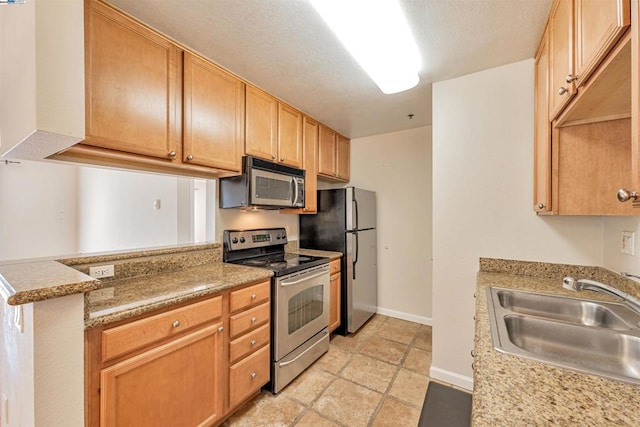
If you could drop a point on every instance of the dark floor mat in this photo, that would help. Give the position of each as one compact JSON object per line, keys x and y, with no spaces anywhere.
{"x":445,"y":407}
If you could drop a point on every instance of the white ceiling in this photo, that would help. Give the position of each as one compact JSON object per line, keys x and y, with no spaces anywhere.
{"x":285,"y":48}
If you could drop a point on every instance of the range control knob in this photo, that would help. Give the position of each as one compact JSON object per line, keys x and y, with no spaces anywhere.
{"x":242,"y":240}
{"x":234,"y":240}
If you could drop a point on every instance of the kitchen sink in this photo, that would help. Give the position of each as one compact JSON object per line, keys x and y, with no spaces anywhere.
{"x":594,"y":337}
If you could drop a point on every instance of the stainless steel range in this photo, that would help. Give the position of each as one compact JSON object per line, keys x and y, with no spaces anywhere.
{"x":299,"y":299}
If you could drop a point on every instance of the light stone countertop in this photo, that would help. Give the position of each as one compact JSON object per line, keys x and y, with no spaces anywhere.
{"x":513,"y":391}
{"x":139,"y":295}
{"x":316,"y":252}
{"x":26,"y":282}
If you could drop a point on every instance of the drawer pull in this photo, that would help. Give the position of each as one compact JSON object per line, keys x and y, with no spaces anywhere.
{"x":176,"y":323}
{"x":221,"y":328}
{"x":253,"y":320}
{"x":254,"y":296}
{"x":253,"y":375}
{"x":253,"y":342}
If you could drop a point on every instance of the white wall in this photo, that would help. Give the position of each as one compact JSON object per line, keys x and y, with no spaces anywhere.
{"x":38,"y":210}
{"x":482,"y":202}
{"x":397,"y":166}
{"x":116,"y":210}
{"x":614,"y":259}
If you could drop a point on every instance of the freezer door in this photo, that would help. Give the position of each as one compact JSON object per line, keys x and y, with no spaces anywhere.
{"x":362,"y":278}
{"x":361,"y":209}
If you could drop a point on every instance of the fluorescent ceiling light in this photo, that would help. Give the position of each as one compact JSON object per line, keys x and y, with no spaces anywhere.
{"x":377,"y":35}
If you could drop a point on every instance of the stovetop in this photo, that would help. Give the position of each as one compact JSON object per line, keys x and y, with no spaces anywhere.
{"x":264,"y":248}
{"x":283,"y":263}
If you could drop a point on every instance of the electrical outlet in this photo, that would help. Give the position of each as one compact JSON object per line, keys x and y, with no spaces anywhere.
{"x":628,"y":242}
{"x":101,"y":271}
{"x":101,"y":294}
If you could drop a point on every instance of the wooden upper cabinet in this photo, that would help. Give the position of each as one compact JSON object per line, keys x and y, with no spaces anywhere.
{"x":133,"y":99}
{"x":343,"y":157}
{"x":561,"y":27}
{"x":310,"y":165}
{"x":542,"y":130}
{"x":213,"y":115}
{"x":261,"y":124}
{"x":326,"y":152}
{"x":289,"y":136}
{"x":599,"y":24}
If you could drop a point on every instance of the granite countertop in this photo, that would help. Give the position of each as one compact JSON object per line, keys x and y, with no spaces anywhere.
{"x":32,"y":281}
{"x":316,"y":252}
{"x":510,"y":390}
{"x":139,"y":295}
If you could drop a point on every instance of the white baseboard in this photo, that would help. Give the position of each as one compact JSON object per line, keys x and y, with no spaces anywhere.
{"x":451,"y":378}
{"x":405,"y":316}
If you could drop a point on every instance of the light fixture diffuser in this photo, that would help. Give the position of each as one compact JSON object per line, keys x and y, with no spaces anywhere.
{"x":377,"y":35}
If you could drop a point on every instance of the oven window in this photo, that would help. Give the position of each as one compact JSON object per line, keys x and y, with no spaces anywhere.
{"x":304,"y":307}
{"x":269,"y":188}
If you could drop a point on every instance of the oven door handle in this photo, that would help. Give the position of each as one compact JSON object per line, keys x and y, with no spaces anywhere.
{"x":287,"y":283}
{"x":289,"y":362}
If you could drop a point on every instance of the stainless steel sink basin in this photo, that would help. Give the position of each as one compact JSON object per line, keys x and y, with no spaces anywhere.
{"x":574,"y":310}
{"x":589,"y":336}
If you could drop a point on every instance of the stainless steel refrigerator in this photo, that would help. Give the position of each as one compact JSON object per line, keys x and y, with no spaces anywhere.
{"x":346,"y":222}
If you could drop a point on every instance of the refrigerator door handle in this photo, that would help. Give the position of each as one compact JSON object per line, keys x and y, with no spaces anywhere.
{"x":355,"y":257}
{"x":355,"y":204}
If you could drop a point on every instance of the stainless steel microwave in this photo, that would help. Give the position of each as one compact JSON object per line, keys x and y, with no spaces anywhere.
{"x":263,"y":184}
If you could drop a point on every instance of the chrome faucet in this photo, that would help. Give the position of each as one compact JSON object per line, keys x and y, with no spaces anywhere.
{"x":591,"y":285}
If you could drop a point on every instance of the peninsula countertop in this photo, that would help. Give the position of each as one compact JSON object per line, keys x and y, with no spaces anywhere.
{"x":512,"y":391}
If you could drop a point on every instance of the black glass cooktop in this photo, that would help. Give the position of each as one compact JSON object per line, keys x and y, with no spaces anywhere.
{"x":283,"y":263}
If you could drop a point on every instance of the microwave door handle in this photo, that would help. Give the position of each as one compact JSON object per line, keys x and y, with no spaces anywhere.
{"x":295,"y":190}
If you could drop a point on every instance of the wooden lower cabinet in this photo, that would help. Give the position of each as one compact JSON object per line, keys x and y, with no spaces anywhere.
{"x":334,"y":295}
{"x":181,"y":380}
{"x":180,"y":366}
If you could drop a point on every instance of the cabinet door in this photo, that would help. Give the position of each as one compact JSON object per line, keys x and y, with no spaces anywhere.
{"x":599,"y":24}
{"x":289,"y":136}
{"x":132,"y":86}
{"x":326,"y":152}
{"x":561,"y":54}
{"x":176,"y":383}
{"x":261,"y":122}
{"x":334,"y":301}
{"x":213,"y":115}
{"x":542,"y":131}
{"x":343,"y":157}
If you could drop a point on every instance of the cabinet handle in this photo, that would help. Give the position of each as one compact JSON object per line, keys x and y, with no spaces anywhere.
{"x":253,"y":375}
{"x":221,"y":328}
{"x":190,"y":157}
{"x":625,"y":195}
{"x":562,"y":91}
{"x":282,"y":159}
{"x":172,"y":153}
{"x":473,"y":353}
{"x":473,"y":366}
{"x":176,"y":323}
{"x":253,"y":320}
{"x":273,"y":156}
{"x":254,"y":296}
{"x":540,"y":206}
{"x":570,"y":78}
{"x":253,"y":342}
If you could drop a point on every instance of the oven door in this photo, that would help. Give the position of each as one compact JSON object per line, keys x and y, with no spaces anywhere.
{"x":276,"y":189}
{"x":301,"y":306}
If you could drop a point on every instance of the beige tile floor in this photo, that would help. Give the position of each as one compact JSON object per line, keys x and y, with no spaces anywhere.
{"x":376,"y":377}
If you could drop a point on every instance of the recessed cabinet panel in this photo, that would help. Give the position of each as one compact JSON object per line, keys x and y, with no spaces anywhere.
{"x":599,"y":24}
{"x":261,"y":122}
{"x":289,"y":136}
{"x":213,"y":115}
{"x":561,"y":51}
{"x":542,"y":131}
{"x":343,"y":158}
{"x":327,"y":152}
{"x":132,"y":85}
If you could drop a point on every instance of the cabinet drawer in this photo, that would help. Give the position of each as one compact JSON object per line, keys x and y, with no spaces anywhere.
{"x":334,"y":266}
{"x":250,"y":319}
{"x":247,"y":376}
{"x":135,"y":335}
{"x":249,"y":296}
{"x":248,"y":343}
